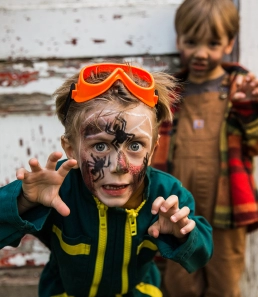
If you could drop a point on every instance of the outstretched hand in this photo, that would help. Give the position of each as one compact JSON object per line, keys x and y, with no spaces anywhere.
{"x":172,"y":220}
{"x":246,"y":88}
{"x":42,"y":184}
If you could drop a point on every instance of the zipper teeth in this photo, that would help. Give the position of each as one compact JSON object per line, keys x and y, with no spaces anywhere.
{"x":127,"y":256}
{"x":102,"y":242}
{"x":130,"y":230}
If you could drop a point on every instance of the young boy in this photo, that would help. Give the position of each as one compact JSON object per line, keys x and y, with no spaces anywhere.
{"x":104,"y":212}
{"x":211,"y":145}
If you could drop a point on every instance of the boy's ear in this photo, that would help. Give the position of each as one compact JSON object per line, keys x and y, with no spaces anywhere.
{"x":230,"y":46}
{"x":69,"y":151}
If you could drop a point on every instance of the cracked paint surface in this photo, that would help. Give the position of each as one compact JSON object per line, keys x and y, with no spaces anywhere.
{"x":30,"y":252}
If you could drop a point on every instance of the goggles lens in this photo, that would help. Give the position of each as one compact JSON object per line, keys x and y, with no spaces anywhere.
{"x":85,"y":91}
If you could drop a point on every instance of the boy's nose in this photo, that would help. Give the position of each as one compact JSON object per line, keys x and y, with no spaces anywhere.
{"x":119,"y":163}
{"x":201,"y":52}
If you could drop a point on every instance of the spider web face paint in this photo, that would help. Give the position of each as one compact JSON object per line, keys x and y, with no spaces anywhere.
{"x":113,"y":153}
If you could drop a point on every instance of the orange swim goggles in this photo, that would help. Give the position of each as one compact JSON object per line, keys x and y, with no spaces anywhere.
{"x":84,"y":91}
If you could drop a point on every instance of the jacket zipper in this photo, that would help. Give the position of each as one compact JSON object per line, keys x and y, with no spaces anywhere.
{"x":102,"y":243}
{"x":130,"y":230}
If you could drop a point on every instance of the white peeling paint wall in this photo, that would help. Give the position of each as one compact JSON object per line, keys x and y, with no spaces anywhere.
{"x":73,"y":29}
{"x":248,"y":34}
{"x":26,"y":136}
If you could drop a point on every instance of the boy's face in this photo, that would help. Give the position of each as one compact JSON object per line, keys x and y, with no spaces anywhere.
{"x":113,"y":152}
{"x":203,"y":56}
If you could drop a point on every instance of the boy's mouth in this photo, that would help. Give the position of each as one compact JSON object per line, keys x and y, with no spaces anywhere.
{"x":114,"y":187}
{"x":198,"y":66}
{"x":115,"y":190}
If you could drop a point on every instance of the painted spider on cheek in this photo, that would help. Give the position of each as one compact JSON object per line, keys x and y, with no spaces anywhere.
{"x":144,"y":167}
{"x":117,"y":128}
{"x":98,"y":164}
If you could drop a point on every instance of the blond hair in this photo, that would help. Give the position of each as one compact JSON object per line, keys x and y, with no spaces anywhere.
{"x":165,"y":85}
{"x":195,"y":16}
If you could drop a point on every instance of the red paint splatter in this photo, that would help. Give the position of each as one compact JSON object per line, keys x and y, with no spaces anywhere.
{"x":99,"y":40}
{"x":129,"y":42}
{"x":8,"y":79}
{"x":117,"y":16}
{"x":73,"y":41}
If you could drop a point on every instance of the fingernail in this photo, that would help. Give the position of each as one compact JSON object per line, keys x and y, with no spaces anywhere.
{"x":173,"y":218}
{"x":162,"y":208}
{"x":183,"y":231}
{"x":153,"y":211}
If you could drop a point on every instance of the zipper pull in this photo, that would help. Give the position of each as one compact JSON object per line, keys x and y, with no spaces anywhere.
{"x":132,"y":214}
{"x":102,"y":213}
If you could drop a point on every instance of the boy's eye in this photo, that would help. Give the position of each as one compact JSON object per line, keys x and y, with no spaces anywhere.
{"x":135,"y":146}
{"x":100,"y":147}
{"x":190,"y":42}
{"x":214,"y":43}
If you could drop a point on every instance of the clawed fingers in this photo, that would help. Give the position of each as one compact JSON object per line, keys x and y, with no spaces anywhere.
{"x":169,"y":206}
{"x":154,"y":230}
{"x":34,"y":165}
{"x":66,"y":167}
{"x":157,"y":204}
{"x":188,"y":227}
{"x":181,"y":218}
{"x":60,"y":206}
{"x":247,"y":88}
{"x":240,"y":80}
{"x":52,"y":160}
{"x":20,"y":173}
{"x":182,"y":213}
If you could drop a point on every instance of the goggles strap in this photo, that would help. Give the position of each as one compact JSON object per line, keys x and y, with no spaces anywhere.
{"x":157,"y":94}
{"x":157,"y":105}
{"x":68,"y":101}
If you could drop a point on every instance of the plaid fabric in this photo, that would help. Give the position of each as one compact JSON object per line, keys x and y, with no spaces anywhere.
{"x":237,"y":201}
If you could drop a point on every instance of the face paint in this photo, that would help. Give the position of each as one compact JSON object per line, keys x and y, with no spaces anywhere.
{"x":114,"y":156}
{"x":144,"y":167}
{"x":117,"y":128}
{"x":122,"y":163}
{"x":98,"y":164}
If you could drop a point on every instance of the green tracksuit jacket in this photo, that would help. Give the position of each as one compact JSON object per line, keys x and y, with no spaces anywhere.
{"x":100,"y":251}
